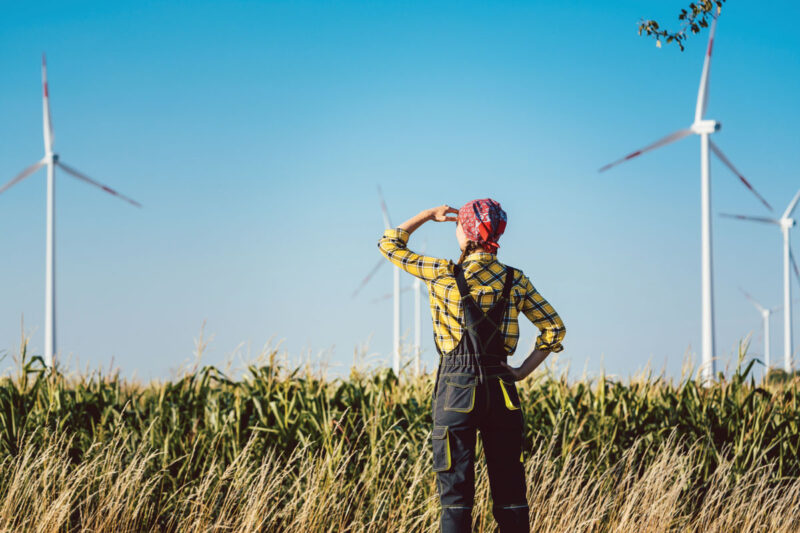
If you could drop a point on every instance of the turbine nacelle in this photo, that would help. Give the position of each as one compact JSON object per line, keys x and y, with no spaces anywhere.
{"x":707,"y":127}
{"x":787,"y":223}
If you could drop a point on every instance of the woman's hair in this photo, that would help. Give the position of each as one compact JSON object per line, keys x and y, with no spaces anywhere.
{"x":471,"y":246}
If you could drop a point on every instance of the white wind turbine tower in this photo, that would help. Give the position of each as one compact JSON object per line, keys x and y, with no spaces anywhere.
{"x":417,"y":322}
{"x":418,"y":319}
{"x":785,"y":223}
{"x":703,"y":128}
{"x":417,"y":288}
{"x":51,"y":160}
{"x":417,"y":325}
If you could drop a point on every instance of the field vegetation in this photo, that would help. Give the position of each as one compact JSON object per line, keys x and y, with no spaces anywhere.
{"x":282,"y":449}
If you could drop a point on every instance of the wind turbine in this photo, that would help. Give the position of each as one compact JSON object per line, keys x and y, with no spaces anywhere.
{"x":703,"y":128}
{"x":396,"y":286}
{"x":51,"y":160}
{"x":395,"y":291}
{"x":785,"y":223}
{"x":765,"y":316}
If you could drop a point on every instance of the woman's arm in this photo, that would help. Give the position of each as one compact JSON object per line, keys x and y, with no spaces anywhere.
{"x":550,"y":325}
{"x":528,"y":365}
{"x":439,"y":214}
{"x":393,"y":245}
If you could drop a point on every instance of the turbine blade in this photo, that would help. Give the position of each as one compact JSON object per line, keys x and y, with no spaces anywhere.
{"x":87,"y":179}
{"x":47,"y":125}
{"x":752,"y":300}
{"x":671,"y":138}
{"x":386,"y":220}
{"x":368,"y":277}
{"x":792,"y":205}
{"x":726,"y":161}
{"x":22,"y":175}
{"x":389,"y":295}
{"x":752,"y":219}
{"x":780,"y":307}
{"x":702,"y":92}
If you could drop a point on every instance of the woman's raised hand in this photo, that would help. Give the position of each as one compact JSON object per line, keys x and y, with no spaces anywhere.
{"x":439,"y":214}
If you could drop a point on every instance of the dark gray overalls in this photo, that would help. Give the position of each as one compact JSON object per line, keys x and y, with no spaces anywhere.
{"x":473,"y":391}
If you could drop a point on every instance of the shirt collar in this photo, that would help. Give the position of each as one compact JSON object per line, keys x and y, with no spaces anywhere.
{"x":481,"y":257}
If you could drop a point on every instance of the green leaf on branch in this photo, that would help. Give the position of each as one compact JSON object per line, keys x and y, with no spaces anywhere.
{"x":692,"y":20}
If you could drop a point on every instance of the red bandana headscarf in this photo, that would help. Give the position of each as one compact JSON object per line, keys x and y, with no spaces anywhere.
{"x":483,"y":221}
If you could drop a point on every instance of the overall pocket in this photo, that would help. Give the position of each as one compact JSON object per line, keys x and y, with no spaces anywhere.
{"x":510,"y":395}
{"x":441,"y":449}
{"x":459,"y":397}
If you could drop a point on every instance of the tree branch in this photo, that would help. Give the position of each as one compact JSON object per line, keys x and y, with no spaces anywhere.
{"x":692,"y":20}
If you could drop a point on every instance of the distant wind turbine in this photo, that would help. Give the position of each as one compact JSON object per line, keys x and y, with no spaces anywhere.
{"x":785,"y":223}
{"x":395,"y":291}
{"x":51,"y":160}
{"x":396,"y":285}
{"x":703,"y":128}
{"x":765,"y":316}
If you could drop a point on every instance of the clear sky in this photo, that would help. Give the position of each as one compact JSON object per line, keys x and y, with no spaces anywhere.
{"x":255,"y":134}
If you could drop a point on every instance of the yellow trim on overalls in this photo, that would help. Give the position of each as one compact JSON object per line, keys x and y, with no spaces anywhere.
{"x":446,"y":438}
{"x":510,"y":405}
{"x":449,"y":459}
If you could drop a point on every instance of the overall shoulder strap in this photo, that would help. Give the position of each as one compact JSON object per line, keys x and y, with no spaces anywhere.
{"x":509,"y":282}
{"x":461,"y":281}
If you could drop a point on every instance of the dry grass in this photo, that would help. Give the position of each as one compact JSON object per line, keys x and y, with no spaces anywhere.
{"x":43,"y":490}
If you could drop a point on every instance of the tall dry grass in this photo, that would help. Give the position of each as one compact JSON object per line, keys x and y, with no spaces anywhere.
{"x":42,"y":489}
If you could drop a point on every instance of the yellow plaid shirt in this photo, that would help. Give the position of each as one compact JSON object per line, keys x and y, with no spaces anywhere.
{"x":485,"y":277}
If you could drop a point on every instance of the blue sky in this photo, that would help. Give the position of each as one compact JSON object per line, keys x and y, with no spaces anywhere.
{"x":255,"y":134}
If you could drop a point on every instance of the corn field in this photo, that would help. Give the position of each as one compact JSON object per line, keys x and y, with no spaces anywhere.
{"x":281,"y":449}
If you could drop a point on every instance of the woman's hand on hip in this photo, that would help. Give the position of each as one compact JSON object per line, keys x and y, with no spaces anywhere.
{"x":517,"y":373}
{"x":528,"y":365}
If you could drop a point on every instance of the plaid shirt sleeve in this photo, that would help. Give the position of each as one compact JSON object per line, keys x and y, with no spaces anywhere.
{"x":543,"y":316}
{"x":393,"y":246}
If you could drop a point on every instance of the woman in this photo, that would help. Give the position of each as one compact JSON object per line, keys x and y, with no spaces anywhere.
{"x":475,"y":304}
